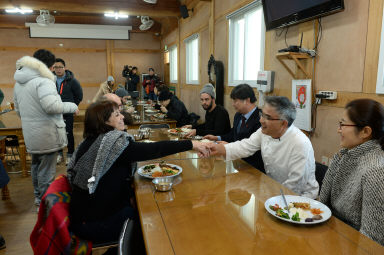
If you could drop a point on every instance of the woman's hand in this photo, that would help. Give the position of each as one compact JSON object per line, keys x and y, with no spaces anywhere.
{"x":187,"y":126}
{"x":202,"y":148}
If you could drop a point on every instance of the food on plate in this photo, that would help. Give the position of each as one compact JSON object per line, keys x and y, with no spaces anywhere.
{"x":282,"y":214}
{"x":296,"y":217}
{"x":160,"y":170}
{"x":317,"y":217}
{"x":305,"y":206}
{"x":274,"y":207}
{"x":297,"y":211}
{"x":179,"y":130}
{"x":316,"y":211}
{"x":301,"y":214}
{"x":159,"y":115}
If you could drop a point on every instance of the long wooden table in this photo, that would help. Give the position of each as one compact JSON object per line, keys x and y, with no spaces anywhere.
{"x":217,"y":207}
{"x":10,"y":124}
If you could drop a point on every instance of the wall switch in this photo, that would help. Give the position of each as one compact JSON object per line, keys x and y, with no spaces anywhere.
{"x":324,"y":160}
{"x":331,"y":95}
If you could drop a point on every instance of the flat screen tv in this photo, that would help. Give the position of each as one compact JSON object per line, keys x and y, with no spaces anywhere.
{"x":282,"y":13}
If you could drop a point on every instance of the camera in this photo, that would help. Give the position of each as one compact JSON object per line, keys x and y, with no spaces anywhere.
{"x":127,"y":71}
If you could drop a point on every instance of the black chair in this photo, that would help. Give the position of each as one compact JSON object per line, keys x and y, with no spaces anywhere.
{"x":154,"y":126}
{"x":125,"y":237}
{"x":320,"y":173}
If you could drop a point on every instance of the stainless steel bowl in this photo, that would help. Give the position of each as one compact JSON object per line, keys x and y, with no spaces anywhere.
{"x":163,"y":183}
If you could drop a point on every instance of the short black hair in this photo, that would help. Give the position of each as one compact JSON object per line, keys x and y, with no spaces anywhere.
{"x":60,"y":60}
{"x":134,"y":68}
{"x":45,"y":56}
{"x":151,"y":69}
{"x":243,"y":91}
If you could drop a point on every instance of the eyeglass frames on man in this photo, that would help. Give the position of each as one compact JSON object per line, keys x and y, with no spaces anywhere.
{"x":266,"y":116}
{"x":58,"y":67}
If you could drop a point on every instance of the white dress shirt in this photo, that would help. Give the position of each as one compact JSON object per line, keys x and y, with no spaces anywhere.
{"x":289,"y":159}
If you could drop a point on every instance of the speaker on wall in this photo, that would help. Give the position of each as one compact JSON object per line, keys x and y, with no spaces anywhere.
{"x":184,"y":11}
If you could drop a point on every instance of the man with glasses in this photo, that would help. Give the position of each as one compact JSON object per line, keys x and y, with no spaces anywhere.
{"x":246,"y":121}
{"x":287,"y":152}
{"x":69,"y":90}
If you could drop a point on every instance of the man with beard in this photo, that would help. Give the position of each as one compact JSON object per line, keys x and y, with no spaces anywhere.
{"x":216,"y":116}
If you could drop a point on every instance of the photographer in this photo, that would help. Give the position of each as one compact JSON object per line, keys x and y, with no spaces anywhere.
{"x":129,"y":73}
{"x":149,"y":84}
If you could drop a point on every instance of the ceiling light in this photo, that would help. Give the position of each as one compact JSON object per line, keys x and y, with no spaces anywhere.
{"x":17,"y":10}
{"x":116,"y":15}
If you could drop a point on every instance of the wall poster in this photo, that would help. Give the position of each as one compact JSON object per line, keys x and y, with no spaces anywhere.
{"x":302,"y":99}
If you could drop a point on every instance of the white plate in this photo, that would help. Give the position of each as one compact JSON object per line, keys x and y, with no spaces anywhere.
{"x":290,"y":199}
{"x":141,"y":173}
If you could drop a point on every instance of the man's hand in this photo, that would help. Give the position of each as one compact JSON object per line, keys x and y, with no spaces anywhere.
{"x":211,"y":137}
{"x":216,"y":149}
{"x":77,"y":112}
{"x":192,"y":133}
{"x":187,"y":126}
{"x":202,"y":148}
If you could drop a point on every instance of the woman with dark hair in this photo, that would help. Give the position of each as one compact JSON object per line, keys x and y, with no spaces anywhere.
{"x":101,"y":172}
{"x":353,"y":186}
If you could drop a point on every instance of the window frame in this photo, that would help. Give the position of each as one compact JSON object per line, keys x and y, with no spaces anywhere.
{"x":171,"y":64}
{"x":240,"y":14}
{"x":187,"y":43}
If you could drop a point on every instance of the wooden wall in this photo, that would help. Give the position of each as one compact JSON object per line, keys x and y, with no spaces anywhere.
{"x":347,"y":60}
{"x":91,"y":61}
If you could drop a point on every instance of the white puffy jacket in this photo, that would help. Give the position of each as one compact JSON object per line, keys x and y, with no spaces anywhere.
{"x":40,"y":107}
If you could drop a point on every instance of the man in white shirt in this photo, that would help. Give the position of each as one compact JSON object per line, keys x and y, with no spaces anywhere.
{"x":286,"y":151}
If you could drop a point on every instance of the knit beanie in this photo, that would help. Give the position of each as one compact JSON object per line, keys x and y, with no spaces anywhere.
{"x":209,"y":89}
{"x":121,"y":92}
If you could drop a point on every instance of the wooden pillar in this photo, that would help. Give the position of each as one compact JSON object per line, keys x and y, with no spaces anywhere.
{"x":212,"y":29}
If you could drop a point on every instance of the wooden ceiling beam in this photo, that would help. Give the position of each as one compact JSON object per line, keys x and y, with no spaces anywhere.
{"x":93,"y":7}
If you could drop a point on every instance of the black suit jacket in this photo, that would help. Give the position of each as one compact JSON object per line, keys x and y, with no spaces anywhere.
{"x":251,"y":126}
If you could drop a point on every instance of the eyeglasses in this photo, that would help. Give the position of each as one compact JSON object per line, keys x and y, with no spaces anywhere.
{"x":341,"y":124}
{"x":58,"y":67}
{"x":266,"y":116}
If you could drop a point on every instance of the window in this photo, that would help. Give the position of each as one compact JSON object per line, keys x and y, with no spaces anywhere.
{"x":246,"y":44}
{"x":380,"y":71}
{"x":173,"y":64}
{"x":192,"y":57}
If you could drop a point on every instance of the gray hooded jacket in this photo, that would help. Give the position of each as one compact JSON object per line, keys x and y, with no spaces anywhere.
{"x":40,"y":107}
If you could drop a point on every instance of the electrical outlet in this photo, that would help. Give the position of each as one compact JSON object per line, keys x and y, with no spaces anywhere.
{"x":331,"y":95}
{"x":324,"y":160}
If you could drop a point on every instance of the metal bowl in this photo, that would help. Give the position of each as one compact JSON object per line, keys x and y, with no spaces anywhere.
{"x":163,"y":183}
